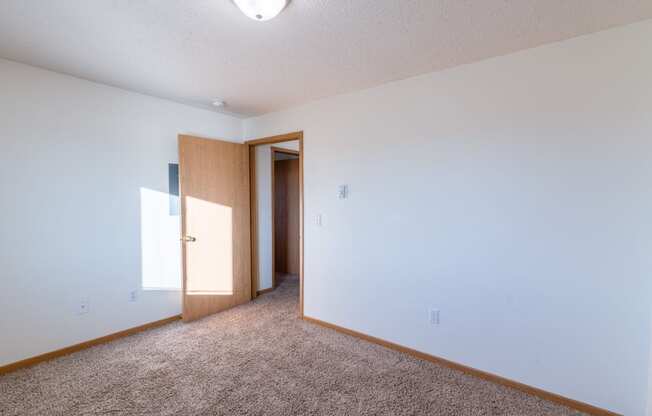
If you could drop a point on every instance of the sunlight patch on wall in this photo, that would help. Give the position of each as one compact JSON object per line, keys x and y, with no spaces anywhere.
{"x":160,"y":246}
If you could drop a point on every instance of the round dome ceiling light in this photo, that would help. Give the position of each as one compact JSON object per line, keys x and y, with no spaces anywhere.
{"x":261,"y":10}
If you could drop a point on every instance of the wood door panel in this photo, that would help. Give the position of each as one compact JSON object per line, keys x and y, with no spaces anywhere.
{"x":287,"y":216}
{"x":214,"y":178}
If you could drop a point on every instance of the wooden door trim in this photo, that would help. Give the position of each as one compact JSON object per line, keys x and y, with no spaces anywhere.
{"x":288,"y":137}
{"x":276,"y":149}
{"x":272,"y":151}
{"x":297,"y":135}
{"x":253,"y":202}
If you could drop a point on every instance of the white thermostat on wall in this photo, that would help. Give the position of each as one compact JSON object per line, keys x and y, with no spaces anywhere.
{"x":343,"y":191}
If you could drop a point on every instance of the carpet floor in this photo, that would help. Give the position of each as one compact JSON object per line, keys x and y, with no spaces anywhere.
{"x":256,"y":359}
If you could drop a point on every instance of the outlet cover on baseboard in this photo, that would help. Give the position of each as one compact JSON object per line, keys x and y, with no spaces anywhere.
{"x":83,"y":306}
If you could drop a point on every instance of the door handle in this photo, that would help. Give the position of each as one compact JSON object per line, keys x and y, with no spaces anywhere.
{"x":188,"y":239}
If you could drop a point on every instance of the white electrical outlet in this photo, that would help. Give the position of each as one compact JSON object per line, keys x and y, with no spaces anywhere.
{"x":83,"y":306}
{"x":433,"y":316}
{"x":318,"y":220}
{"x":133,"y":296}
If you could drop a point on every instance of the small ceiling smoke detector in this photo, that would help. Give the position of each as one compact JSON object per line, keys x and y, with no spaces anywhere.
{"x":261,"y":10}
{"x":218,"y":103}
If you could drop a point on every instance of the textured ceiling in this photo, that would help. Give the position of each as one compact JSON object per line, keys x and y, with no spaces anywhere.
{"x":195,"y":51}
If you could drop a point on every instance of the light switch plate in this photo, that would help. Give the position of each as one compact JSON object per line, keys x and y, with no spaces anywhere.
{"x":343,"y":191}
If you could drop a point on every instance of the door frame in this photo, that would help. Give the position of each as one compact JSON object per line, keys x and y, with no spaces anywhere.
{"x":273,"y":151}
{"x":297,"y":135}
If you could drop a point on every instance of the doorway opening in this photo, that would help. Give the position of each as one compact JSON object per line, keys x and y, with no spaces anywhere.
{"x":276,"y":183}
{"x":285,"y":214}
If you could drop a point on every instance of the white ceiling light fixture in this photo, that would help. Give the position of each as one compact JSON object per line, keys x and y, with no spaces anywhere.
{"x":218,"y":103}
{"x":261,"y":10}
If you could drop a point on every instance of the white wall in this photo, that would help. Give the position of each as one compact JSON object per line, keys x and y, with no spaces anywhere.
{"x":264,"y":208}
{"x":83,"y":171}
{"x":649,"y":380}
{"x":513,"y":194}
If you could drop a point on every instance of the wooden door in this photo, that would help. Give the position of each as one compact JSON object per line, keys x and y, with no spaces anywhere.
{"x":214,"y":177}
{"x":287,"y":215}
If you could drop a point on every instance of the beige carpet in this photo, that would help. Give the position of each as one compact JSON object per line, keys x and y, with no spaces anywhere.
{"x":257,"y":359}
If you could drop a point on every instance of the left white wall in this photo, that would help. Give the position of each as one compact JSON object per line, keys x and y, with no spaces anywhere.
{"x":82,"y":166}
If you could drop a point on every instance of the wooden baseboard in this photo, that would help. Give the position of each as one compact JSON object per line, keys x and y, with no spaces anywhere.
{"x":78,"y":347}
{"x":262,"y":292}
{"x":552,"y":397}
